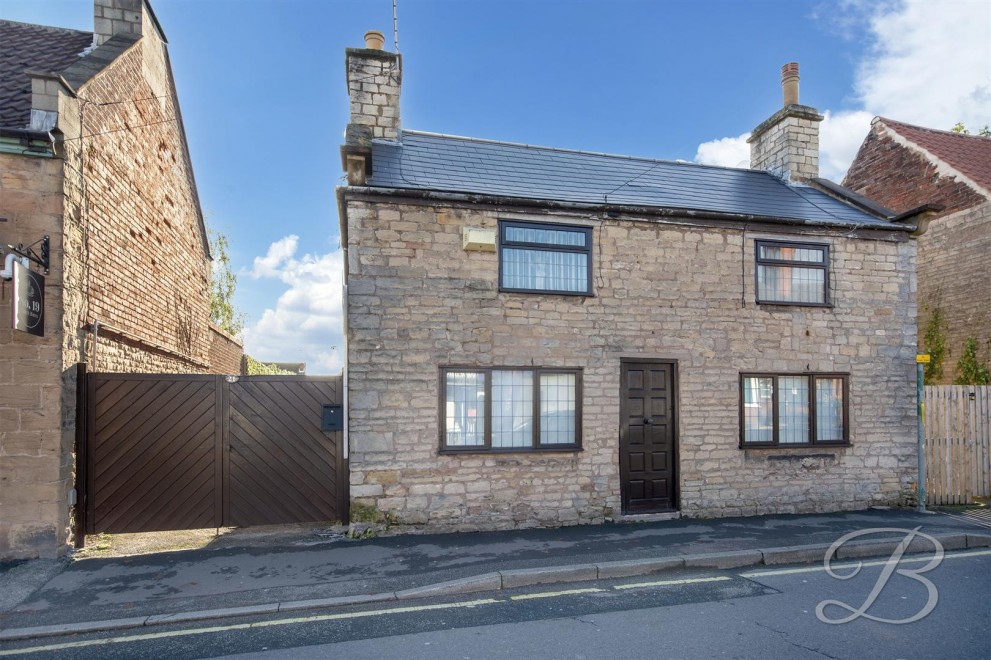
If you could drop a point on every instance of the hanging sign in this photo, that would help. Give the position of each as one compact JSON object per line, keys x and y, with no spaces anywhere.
{"x":29,"y":301}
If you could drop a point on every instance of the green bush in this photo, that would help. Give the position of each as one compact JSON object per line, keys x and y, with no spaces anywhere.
{"x":972,"y":371}
{"x":935,"y":344}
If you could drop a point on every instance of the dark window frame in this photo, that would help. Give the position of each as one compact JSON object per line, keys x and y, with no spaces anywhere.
{"x":823,"y":266}
{"x":486,"y":447}
{"x":813,"y":417}
{"x":546,"y":247}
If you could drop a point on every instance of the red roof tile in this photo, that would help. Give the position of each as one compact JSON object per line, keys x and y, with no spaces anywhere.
{"x":25,"y":47}
{"x":968,"y":154}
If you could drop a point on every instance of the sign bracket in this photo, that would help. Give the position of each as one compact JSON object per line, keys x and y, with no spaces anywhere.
{"x":43,"y":260}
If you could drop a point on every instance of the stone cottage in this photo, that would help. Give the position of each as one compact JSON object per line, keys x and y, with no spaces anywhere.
{"x":537,"y":336}
{"x":904,"y":167}
{"x":92,"y":155}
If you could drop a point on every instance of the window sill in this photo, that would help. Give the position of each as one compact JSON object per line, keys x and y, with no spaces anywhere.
{"x":818,"y":445}
{"x":572,"y":294}
{"x":563,"y":449}
{"x":768,"y":303}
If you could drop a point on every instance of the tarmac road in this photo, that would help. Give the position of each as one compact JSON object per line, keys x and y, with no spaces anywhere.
{"x":762,"y":612}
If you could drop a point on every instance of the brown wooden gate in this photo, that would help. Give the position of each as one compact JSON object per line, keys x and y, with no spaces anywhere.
{"x":166,"y":452}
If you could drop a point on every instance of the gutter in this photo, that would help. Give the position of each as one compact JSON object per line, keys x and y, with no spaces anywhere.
{"x":923,"y":215}
{"x":27,"y":142}
{"x":613,"y":210}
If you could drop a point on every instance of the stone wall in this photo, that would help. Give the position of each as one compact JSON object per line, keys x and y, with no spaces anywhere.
{"x":374,"y":80}
{"x":954,"y":271}
{"x":33,"y":479}
{"x":787,"y":144}
{"x":226,"y":353}
{"x":417,"y":302}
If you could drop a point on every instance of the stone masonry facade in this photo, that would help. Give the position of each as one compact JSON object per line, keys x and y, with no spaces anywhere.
{"x":374,"y":82}
{"x":787,"y":143}
{"x":952,"y":266}
{"x":669,"y":290}
{"x":128,"y":289}
{"x":955,"y":278}
{"x":35,"y":462}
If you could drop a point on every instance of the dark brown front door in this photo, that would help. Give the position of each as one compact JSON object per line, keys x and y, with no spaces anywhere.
{"x":647,"y":452}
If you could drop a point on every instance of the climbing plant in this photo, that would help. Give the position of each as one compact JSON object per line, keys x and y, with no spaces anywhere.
{"x":970,"y":369}
{"x":935,"y":343}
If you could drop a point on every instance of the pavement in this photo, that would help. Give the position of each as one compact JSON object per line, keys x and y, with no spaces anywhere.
{"x":42,"y":598}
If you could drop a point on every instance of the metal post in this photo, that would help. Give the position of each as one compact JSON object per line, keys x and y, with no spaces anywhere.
{"x":922,"y":439}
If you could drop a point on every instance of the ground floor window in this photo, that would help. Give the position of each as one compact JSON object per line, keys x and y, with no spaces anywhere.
{"x":510,"y":409}
{"x":793,"y":410}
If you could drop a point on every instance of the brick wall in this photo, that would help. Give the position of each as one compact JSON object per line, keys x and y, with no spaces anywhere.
{"x":901,"y":179}
{"x":33,"y":475}
{"x":953,"y":254}
{"x":226,"y":353}
{"x":127,"y":251}
{"x":142,"y":268}
{"x":417,"y":301}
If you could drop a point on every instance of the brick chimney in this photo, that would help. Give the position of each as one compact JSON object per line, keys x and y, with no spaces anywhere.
{"x":374,"y":78}
{"x":112,"y":17}
{"x":787,"y":143}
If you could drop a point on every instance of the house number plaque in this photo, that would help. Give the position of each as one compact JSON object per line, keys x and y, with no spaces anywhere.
{"x":29,"y":301}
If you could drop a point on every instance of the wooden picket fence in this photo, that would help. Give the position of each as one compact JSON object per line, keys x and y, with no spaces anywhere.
{"x":958,"y":443}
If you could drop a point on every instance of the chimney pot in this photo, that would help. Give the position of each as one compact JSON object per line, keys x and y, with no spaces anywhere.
{"x":374,"y":40}
{"x":789,"y":83}
{"x":787,"y":142}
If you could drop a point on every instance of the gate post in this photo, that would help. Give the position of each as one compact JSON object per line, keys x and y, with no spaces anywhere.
{"x":82,"y":457}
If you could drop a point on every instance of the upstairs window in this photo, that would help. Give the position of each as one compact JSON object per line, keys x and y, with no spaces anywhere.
{"x":792,"y":273}
{"x":793,"y":410}
{"x":510,"y":409}
{"x":543,"y":258}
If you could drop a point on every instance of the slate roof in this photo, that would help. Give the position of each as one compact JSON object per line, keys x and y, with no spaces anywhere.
{"x":969,"y":154}
{"x":428,"y":161}
{"x":25,"y":47}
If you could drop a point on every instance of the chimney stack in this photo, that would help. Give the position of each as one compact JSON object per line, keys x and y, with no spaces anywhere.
{"x":787,"y":143}
{"x":112,"y":17}
{"x":374,"y":78}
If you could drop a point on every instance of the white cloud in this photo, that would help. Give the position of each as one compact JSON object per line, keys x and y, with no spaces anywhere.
{"x":305,"y":325}
{"x":840,"y":136}
{"x":929,"y":63}
{"x":278,"y":252}
{"x":727,"y":152}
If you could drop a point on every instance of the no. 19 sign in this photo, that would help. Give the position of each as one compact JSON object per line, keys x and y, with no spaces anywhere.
{"x":29,"y":301}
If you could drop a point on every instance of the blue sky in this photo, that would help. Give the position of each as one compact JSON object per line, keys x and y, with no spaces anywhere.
{"x":264,"y":102}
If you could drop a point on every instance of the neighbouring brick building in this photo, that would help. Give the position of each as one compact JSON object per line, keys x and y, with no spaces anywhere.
{"x":904,"y":167}
{"x":538,"y":336}
{"x":93,"y":155}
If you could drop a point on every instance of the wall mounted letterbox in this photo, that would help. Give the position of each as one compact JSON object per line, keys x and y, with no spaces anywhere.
{"x":333,"y":417}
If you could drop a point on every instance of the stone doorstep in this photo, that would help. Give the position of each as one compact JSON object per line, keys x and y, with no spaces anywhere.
{"x":496,"y":581}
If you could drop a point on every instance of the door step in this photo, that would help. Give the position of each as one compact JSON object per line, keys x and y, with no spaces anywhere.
{"x":649,"y":517}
